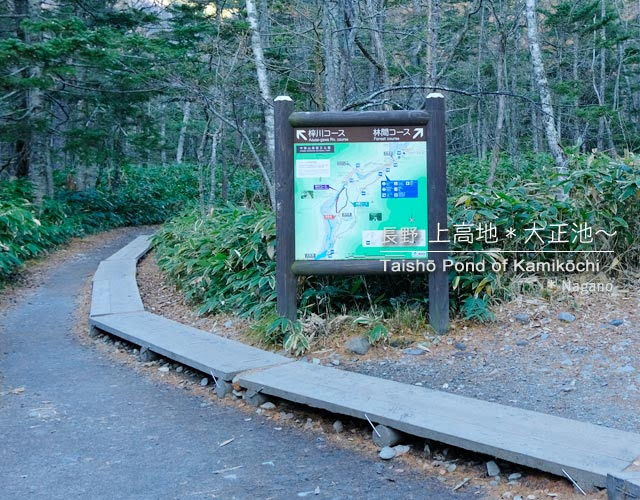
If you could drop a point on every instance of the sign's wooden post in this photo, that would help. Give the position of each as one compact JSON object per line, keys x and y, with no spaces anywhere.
{"x":286,"y":281}
{"x":437,"y":188}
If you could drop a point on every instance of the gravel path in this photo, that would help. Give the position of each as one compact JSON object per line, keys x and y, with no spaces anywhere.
{"x":74,"y":425}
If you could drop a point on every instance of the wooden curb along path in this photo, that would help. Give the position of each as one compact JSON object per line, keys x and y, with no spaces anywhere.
{"x":585,"y":452}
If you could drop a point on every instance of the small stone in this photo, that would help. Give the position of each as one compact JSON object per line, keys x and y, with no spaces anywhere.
{"x":521,"y":343}
{"x":385,"y":436}
{"x":286,"y":416}
{"x":387,"y":453}
{"x":163,"y":369}
{"x":180,"y":369}
{"x":616,"y":322}
{"x":308,"y":424}
{"x":146,"y":355}
{"x":204,"y":382}
{"x":414,"y":352}
{"x":338,"y":426}
{"x":427,"y":450}
{"x":492,"y":469}
{"x":335,"y":362}
{"x":401,"y":449}
{"x":515,"y":476}
{"x":517,"y":497}
{"x":315,"y":361}
{"x":494,"y":482}
{"x":451,"y":467}
{"x":222,"y":388}
{"x":567,"y":317}
{"x":506,"y":494}
{"x":357,"y":345}
{"x":228,"y":323}
{"x":544,"y":336}
{"x":254,"y":398}
{"x":522,"y":318}
{"x":531,"y":497}
{"x":268,"y":406}
{"x":460,"y":345}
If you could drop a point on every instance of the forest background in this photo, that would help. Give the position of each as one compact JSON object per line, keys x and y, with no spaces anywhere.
{"x":120,"y":113}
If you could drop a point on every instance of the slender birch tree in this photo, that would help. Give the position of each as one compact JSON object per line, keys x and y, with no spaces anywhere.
{"x":542,"y":83}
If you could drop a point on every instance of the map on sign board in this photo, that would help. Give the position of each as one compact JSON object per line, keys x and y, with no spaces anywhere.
{"x":360,"y":193}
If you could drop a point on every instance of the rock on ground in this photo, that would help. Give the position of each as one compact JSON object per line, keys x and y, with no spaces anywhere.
{"x":385,"y":436}
{"x":401,"y":449}
{"x":566,"y":317}
{"x":492,"y":469}
{"x":387,"y":453}
{"x":357,"y":345}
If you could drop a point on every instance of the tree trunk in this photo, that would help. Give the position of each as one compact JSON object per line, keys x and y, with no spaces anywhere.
{"x":34,"y":145}
{"x":577,"y":136}
{"x":495,"y":153}
{"x":212,"y":169}
{"x":331,"y":56}
{"x":200,"y":159}
{"x":601,"y":86}
{"x":186,"y":111}
{"x":163,"y":135}
{"x":433,"y":11}
{"x":543,"y":88}
{"x":535,"y":127}
{"x":37,"y":144}
{"x":376,"y":24}
{"x":263,"y":79}
{"x":50,"y":188}
{"x":480,"y":131}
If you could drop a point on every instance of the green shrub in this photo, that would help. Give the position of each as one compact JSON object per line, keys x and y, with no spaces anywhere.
{"x":601,"y":193}
{"x":145,"y":195}
{"x":224,"y":261}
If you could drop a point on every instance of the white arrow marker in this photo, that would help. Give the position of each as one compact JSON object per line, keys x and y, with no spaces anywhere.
{"x":300,"y":134}
{"x":419,"y":132}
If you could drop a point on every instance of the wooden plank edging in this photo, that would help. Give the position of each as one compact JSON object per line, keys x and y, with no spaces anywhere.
{"x":116,"y":297}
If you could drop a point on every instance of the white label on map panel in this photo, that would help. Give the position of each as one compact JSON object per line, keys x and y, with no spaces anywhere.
{"x":396,"y":238}
{"x":313,"y":168}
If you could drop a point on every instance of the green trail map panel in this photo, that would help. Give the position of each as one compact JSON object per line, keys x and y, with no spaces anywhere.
{"x":360,"y":200}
